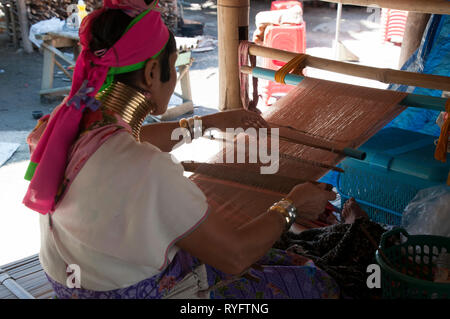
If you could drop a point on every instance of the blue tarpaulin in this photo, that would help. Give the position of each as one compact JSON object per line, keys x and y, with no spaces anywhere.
{"x":432,"y":57}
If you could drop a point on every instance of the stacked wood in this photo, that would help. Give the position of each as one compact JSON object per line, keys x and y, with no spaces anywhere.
{"x":2,"y":19}
{"x":12,"y":21}
{"x":39,"y":10}
{"x":170,"y":14}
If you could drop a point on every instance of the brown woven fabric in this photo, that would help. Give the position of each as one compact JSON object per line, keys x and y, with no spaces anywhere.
{"x":341,"y":115}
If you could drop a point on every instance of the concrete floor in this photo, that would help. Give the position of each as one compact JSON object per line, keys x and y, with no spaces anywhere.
{"x":20,"y":83}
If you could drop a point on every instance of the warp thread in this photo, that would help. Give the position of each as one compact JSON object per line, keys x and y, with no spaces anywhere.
{"x":296,"y":65}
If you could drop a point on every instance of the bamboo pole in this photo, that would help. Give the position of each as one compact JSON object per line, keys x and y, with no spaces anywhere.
{"x":388,"y":76}
{"x":423,"y":6}
{"x":233,"y":17}
{"x":411,"y":100}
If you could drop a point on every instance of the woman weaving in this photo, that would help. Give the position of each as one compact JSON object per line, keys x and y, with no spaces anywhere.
{"x":114,"y":203}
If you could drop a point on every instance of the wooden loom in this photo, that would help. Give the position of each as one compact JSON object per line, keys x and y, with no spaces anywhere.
{"x":233,"y":20}
{"x":340,"y":115}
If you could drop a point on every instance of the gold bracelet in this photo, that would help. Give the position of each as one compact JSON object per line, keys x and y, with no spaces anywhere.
{"x":184,"y":124}
{"x":283,"y":213}
{"x":286,"y":208}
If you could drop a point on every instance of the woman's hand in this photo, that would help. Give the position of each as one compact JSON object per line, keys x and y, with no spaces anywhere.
{"x":311,"y":199}
{"x":239,"y":119}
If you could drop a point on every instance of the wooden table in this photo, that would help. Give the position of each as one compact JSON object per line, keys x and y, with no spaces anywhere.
{"x":53,"y":41}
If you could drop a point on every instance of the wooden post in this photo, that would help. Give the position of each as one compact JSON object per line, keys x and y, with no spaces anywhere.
{"x":49,"y":66}
{"x":233,"y":17}
{"x":185,"y":82}
{"x":23,"y":20}
{"x":13,"y":24}
{"x":338,"y":30}
{"x":415,"y":26}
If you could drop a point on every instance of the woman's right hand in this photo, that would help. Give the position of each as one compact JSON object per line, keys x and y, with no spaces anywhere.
{"x":311,"y":199}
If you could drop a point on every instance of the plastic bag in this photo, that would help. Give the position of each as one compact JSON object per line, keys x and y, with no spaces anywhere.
{"x":429,"y":212}
{"x":45,"y":26}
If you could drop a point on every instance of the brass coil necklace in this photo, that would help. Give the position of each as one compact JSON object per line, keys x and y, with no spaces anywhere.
{"x":129,"y":103}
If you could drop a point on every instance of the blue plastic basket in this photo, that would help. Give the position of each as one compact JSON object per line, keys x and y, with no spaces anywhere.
{"x":399,"y":163}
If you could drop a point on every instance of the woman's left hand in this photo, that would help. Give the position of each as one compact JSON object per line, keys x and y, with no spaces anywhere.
{"x":240,"y":119}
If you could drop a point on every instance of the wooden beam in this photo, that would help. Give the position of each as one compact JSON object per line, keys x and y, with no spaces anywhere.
{"x":415,"y":26}
{"x":423,"y":6}
{"x":383,"y":75}
{"x":55,"y":91}
{"x":61,"y":67}
{"x":58,"y":53}
{"x":233,"y":20}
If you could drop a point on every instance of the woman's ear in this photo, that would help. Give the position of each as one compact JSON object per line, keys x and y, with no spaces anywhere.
{"x":150,"y":72}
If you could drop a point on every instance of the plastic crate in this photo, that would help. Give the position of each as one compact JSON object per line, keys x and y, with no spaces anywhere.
{"x":399,"y":163}
{"x":408,"y":273}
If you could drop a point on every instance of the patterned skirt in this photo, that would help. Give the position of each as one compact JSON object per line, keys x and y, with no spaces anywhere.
{"x":278,"y":275}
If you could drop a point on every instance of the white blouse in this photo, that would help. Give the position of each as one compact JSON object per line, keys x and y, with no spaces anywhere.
{"x":121,"y":217}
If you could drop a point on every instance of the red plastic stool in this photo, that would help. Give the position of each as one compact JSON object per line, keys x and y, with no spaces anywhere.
{"x":394,"y":23}
{"x":281,"y":5}
{"x":284,"y":37}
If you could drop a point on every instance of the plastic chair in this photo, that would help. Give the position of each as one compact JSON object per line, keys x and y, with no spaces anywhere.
{"x":284,"y":37}
{"x":281,"y":5}
{"x":394,"y":23}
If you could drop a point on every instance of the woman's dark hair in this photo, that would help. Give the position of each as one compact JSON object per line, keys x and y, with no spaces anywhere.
{"x":109,"y":27}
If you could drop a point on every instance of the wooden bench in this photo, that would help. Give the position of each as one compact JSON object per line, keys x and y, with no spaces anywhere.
{"x":25,"y":279}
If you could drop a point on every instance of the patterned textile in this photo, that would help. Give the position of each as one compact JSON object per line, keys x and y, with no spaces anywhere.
{"x":343,"y":250}
{"x":278,"y":275}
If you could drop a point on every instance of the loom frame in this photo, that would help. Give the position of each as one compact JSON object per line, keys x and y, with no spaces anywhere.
{"x":233,"y":22}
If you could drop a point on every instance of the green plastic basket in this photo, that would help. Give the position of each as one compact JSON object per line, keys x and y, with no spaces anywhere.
{"x":409,"y":270}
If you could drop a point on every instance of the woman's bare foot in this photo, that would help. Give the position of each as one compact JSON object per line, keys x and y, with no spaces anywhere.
{"x":352,"y":211}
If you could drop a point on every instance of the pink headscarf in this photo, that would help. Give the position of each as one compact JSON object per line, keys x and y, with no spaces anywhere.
{"x":142,"y":41}
{"x":130,"y":7}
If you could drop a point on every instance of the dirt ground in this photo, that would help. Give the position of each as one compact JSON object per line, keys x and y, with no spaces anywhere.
{"x":20,"y":83}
